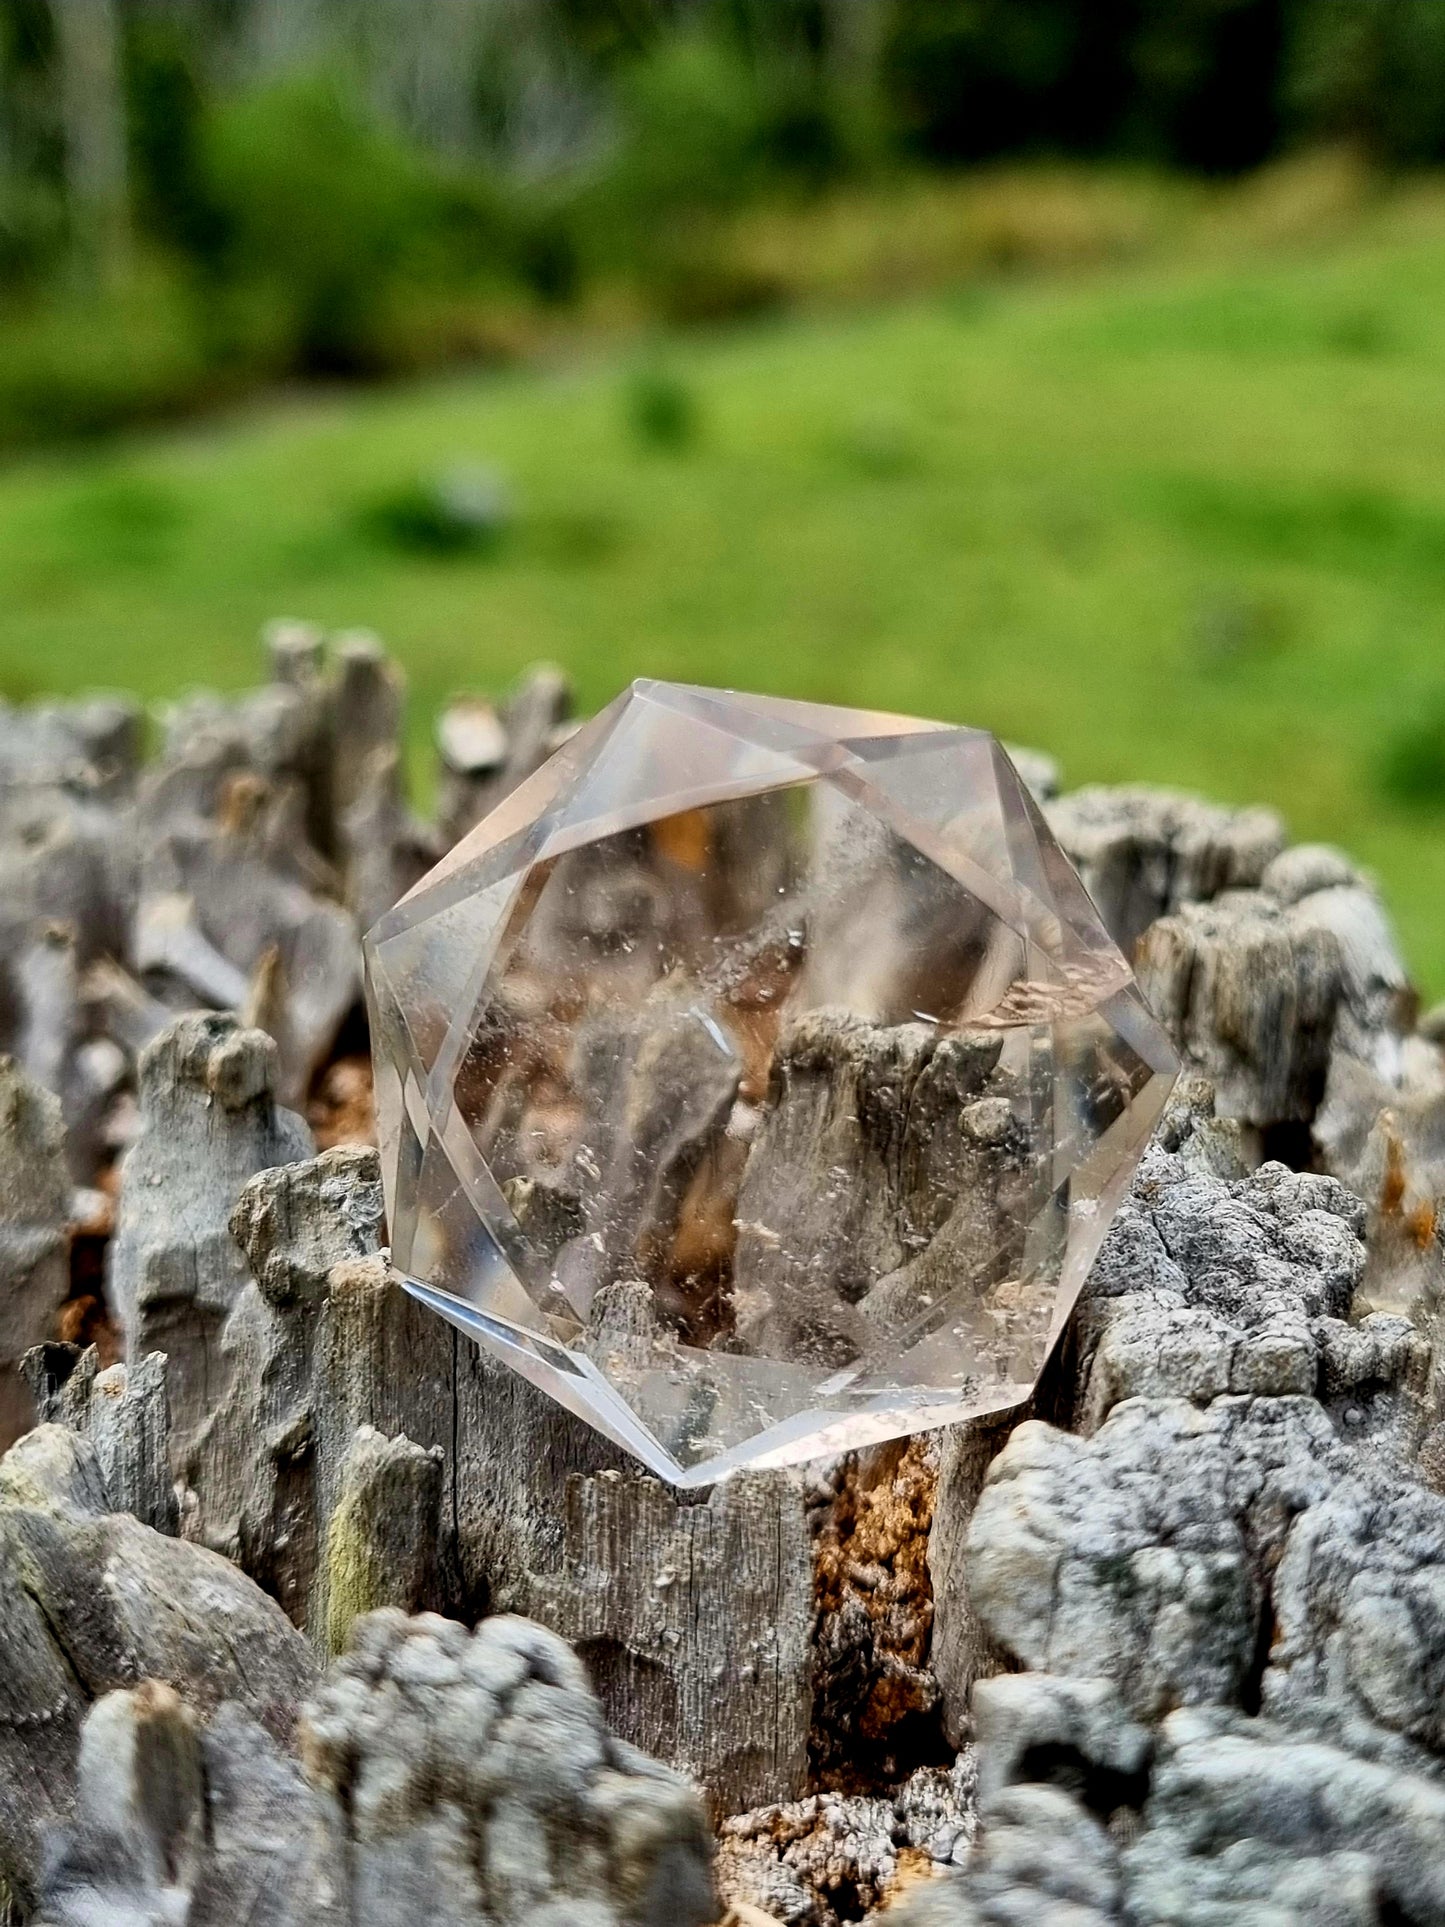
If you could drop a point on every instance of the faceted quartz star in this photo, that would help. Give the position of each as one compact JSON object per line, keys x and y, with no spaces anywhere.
{"x":758,"y":1079}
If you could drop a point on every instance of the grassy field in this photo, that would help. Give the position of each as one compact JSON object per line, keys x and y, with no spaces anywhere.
{"x":1182,"y":523}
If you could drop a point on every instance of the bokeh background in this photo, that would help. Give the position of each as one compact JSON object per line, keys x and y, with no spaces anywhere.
{"x":1072,"y":367}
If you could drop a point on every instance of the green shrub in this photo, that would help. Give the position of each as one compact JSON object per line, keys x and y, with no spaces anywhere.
{"x":168,"y":108}
{"x":1361,"y":333}
{"x":32,"y":233}
{"x":73,"y":368}
{"x":465,"y":510}
{"x":1371,"y":73}
{"x":1412,"y":765}
{"x":694,"y":137}
{"x":705,"y":128}
{"x":662,"y":409}
{"x":328,"y":223}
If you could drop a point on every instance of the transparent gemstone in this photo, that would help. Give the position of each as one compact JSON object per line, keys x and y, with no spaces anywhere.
{"x":758,"y":1079}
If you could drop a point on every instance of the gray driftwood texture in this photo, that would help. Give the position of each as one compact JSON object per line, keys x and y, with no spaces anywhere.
{"x":466,"y":1780}
{"x":35,"y":1214}
{"x":362,"y":1455}
{"x":209,"y":1119}
{"x":92,"y":1600}
{"x":1224,"y":1588}
{"x":1166,"y":1648}
{"x":1145,"y":853}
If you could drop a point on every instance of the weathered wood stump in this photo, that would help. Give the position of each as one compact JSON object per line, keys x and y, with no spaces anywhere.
{"x":1201,"y":1574}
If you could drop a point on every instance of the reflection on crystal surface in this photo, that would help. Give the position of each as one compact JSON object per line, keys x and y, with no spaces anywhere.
{"x":758,"y":1079}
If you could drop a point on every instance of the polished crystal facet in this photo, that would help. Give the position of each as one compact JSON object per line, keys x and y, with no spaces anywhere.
{"x":758,"y":1079}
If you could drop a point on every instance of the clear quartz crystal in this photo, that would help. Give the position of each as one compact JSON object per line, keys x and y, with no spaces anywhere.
{"x":758,"y":1079}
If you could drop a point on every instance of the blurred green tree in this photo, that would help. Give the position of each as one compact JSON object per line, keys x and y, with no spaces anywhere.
{"x":321,"y":215}
{"x":1372,"y":72}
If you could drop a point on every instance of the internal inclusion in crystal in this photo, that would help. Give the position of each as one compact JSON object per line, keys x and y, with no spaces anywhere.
{"x":758,"y":1079}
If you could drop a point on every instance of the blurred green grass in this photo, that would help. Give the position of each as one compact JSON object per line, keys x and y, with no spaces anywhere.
{"x":1177,"y":523}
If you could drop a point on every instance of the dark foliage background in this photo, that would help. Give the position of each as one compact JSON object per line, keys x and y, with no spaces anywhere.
{"x":358,"y":186}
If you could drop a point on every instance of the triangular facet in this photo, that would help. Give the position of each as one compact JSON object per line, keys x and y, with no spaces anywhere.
{"x":657,"y":763}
